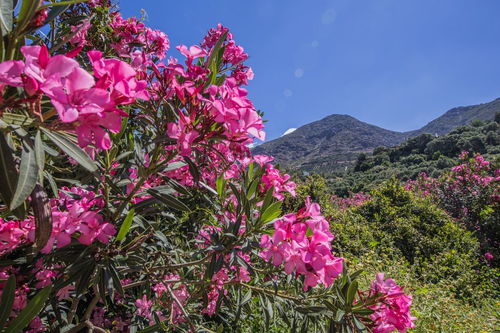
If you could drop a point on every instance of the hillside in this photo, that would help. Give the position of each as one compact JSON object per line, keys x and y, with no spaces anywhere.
{"x":459,"y":116}
{"x":423,"y":153}
{"x":329,"y":143}
{"x":333,"y":143}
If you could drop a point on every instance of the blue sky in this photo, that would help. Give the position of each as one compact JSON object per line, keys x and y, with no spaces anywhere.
{"x":393,"y":63}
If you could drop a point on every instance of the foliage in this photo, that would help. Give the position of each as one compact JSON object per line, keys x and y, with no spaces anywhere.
{"x":397,"y":230}
{"x":423,"y":153}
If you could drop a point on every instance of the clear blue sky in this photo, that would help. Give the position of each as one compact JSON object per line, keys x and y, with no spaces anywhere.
{"x":393,"y":63}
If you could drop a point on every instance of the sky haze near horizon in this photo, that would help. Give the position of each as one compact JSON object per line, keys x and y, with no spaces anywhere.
{"x":395,"y":64}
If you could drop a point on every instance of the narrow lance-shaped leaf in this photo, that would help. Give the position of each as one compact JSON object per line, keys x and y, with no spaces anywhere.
{"x":169,"y":200}
{"x":6,"y":18}
{"x":272,"y":212}
{"x":35,"y":305}
{"x":8,"y":173}
{"x":71,"y":149}
{"x":26,"y":13}
{"x":127,"y":223}
{"x":28,"y":174}
{"x":7,"y":299}
{"x":40,"y":156}
{"x":351,"y":292}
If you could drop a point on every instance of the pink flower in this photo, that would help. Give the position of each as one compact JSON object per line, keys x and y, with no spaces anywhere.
{"x":118,"y":78}
{"x":392,"y":312}
{"x":193,"y":52}
{"x":73,"y":95}
{"x":91,"y":128}
{"x":144,"y":307}
{"x":302,"y":242}
{"x":10,"y":72}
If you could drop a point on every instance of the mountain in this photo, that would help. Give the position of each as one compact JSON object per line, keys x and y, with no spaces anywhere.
{"x":334,"y":142}
{"x":459,"y":116}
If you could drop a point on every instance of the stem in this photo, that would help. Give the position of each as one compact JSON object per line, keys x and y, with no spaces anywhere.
{"x":271,"y":293}
{"x":184,"y":312}
{"x":184,"y":264}
{"x":91,"y":306}
{"x":74,"y":306}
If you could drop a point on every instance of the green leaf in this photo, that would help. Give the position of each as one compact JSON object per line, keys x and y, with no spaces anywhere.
{"x":219,"y":185}
{"x":26,"y":13}
{"x":339,"y":315}
{"x":216,"y":48}
{"x":363,"y":311}
{"x":169,"y":200}
{"x":43,"y":216}
{"x":7,"y":300}
{"x":127,"y":223}
{"x":272,"y":212}
{"x":40,"y":155}
{"x":54,"y":12}
{"x":63,"y":3}
{"x":71,"y":149}
{"x":116,"y":278}
{"x":35,"y":305}
{"x":174,"y":166}
{"x":28,"y":174}
{"x":6,"y":16}
{"x":152,"y":328}
{"x":247,"y":298}
{"x":268,"y":198}
{"x":8,"y":173}
{"x":351,"y":292}
{"x":359,"y":325}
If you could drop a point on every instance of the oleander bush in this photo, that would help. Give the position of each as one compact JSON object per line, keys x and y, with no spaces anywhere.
{"x":130,"y":201}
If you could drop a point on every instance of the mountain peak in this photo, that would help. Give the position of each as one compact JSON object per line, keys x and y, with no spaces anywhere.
{"x":335,"y":141}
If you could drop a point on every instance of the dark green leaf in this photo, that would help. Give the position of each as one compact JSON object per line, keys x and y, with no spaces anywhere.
{"x":35,"y":305}
{"x":169,"y":200}
{"x":351,"y":292}
{"x":28,"y":174}
{"x":71,"y":149}
{"x":8,"y":173}
{"x":40,"y":155}
{"x":43,"y":216}
{"x":7,"y":300}
{"x":26,"y":13}
{"x":54,"y":13}
{"x":359,"y":325}
{"x":339,"y":315}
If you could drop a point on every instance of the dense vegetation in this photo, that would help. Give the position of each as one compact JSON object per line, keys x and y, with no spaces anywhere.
{"x":449,"y":265}
{"x":424,"y":153}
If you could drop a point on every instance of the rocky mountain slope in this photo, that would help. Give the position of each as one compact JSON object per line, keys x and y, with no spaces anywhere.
{"x":334,"y":142}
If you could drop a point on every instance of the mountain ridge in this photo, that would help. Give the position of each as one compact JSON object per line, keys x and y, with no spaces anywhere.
{"x":335,"y":141}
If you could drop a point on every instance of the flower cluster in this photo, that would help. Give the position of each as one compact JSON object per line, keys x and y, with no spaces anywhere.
{"x":132,"y":33}
{"x":13,"y":233}
{"x":354,"y":200}
{"x":74,"y":213}
{"x":78,"y":99}
{"x":302,"y":242}
{"x":392,"y":311}
{"x":273,"y":178}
